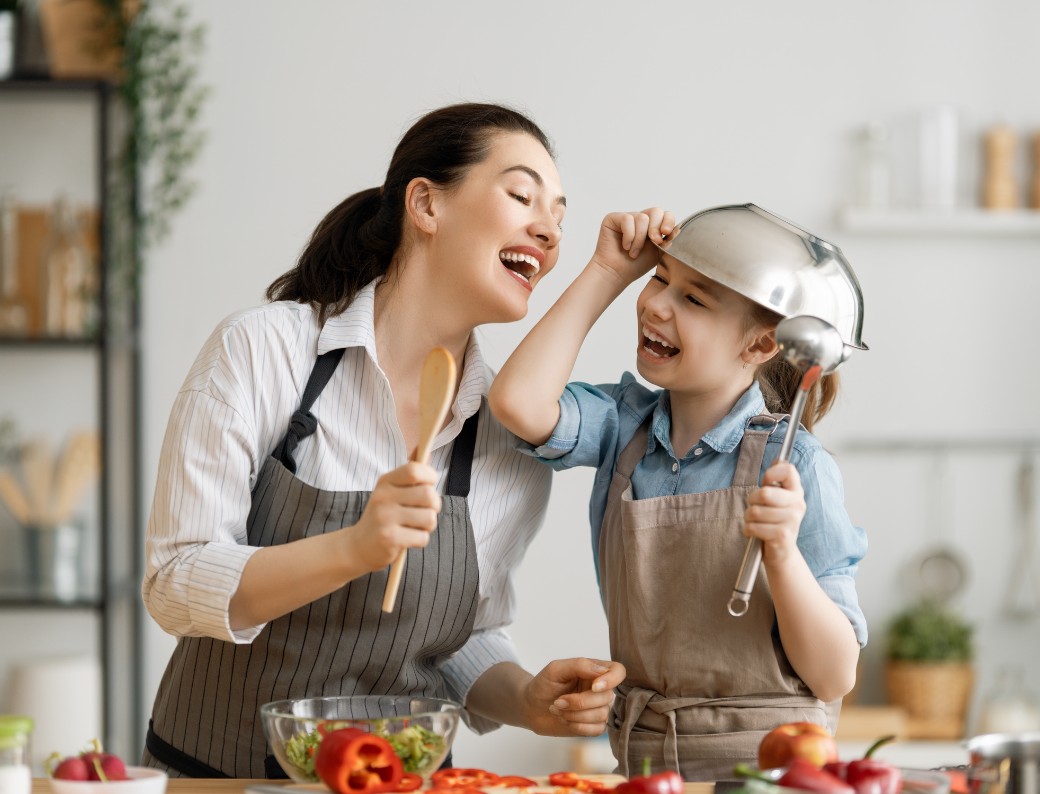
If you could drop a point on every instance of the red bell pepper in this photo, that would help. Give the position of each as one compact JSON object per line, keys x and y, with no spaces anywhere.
{"x":867,"y":775}
{"x":803,"y":775}
{"x":513,"y":781}
{"x":667,"y":782}
{"x":457,"y":777}
{"x":351,"y":761}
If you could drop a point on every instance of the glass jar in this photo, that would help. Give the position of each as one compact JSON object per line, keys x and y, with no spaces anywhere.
{"x":15,"y":774}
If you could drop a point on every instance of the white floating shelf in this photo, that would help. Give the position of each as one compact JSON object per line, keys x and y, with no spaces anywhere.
{"x":948,"y":222}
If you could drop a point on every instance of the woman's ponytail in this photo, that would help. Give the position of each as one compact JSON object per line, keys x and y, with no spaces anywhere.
{"x":358,"y":240}
{"x":351,"y":246}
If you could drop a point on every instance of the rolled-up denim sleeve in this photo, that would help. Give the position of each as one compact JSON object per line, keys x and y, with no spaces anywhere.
{"x":830,"y":543}
{"x":583,"y":435}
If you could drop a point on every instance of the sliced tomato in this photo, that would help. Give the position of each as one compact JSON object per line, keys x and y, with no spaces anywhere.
{"x":456,"y":777}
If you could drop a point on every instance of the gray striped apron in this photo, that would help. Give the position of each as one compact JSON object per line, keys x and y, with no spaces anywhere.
{"x":206,"y":720}
{"x":702,"y":687}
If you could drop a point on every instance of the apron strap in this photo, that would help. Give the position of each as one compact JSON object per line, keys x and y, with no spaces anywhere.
{"x":634,"y":450}
{"x":462,"y":458}
{"x":303,"y":422}
{"x":753,"y":448}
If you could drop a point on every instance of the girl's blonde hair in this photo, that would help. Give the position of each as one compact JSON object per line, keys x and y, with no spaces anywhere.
{"x":779,"y":380}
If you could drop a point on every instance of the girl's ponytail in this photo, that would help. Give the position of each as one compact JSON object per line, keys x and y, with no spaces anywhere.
{"x":779,"y":380}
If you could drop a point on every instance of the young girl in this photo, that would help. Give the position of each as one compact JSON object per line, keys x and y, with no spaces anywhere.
{"x":677,"y":489}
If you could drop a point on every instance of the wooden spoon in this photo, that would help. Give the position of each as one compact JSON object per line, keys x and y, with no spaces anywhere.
{"x":436,"y":387}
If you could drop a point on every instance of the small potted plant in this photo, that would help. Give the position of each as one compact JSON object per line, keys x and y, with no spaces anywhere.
{"x":929,"y":670}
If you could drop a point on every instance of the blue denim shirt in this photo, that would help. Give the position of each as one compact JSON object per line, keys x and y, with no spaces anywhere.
{"x":597,"y":422}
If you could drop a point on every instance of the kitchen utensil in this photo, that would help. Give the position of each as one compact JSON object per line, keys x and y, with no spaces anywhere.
{"x":436,"y":387}
{"x":79,"y":464}
{"x":775,"y":264}
{"x":292,"y":725}
{"x":815,"y":347}
{"x":1004,"y":763}
{"x":38,"y":468}
{"x":1022,"y":600}
{"x":940,"y":572}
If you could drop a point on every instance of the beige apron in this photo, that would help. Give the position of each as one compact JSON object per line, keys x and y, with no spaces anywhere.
{"x":703,"y":687}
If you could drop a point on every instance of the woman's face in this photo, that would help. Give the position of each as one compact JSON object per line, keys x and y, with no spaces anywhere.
{"x":498,"y":231}
{"x":692,"y":332}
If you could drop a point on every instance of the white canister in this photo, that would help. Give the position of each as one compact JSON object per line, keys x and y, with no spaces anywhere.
{"x":15,"y":774}
{"x":939,"y":154}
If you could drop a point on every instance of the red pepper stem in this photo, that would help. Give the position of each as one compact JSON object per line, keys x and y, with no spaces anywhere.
{"x":878,"y":743}
{"x":646,"y":766}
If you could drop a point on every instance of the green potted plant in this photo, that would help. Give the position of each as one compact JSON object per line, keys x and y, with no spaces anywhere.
{"x":929,"y":672}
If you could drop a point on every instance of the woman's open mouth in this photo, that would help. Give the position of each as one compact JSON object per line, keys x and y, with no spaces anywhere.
{"x":523,"y":266}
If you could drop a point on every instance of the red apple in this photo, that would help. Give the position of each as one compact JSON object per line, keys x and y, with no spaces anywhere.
{"x":72,"y":768}
{"x":805,"y":740}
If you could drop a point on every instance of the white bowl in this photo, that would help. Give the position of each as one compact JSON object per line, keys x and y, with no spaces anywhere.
{"x":142,"y":780}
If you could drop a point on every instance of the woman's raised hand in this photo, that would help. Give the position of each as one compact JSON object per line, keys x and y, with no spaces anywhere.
{"x":626,"y":244}
{"x":400,"y":514}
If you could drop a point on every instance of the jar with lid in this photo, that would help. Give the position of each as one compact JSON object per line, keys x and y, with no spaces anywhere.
{"x":1010,"y":707}
{"x":15,"y":774}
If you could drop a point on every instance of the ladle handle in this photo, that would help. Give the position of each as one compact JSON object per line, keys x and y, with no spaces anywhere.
{"x":741,"y":595}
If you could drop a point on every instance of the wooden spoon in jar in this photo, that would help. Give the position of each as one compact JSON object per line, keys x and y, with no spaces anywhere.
{"x":436,"y":386}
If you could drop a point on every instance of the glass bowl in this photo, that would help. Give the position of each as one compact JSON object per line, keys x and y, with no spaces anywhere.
{"x":420,"y":730}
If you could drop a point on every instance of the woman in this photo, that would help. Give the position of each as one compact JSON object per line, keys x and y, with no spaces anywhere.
{"x":284,"y":487}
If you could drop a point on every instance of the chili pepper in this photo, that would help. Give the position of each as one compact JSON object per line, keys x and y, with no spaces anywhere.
{"x":668,"y":782}
{"x":867,"y":775}
{"x":351,"y":761}
{"x":804,"y":775}
{"x":456,"y":777}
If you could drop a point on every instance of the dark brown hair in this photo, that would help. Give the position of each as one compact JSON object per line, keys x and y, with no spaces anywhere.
{"x":357,"y":240}
{"x":779,"y":380}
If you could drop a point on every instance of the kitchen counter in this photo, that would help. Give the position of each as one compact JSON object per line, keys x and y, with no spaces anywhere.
{"x":238,"y":786}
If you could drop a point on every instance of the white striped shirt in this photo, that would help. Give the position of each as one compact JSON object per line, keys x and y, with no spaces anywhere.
{"x":234,"y":408}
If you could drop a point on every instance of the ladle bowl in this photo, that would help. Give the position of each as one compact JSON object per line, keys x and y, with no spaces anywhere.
{"x":806,"y":341}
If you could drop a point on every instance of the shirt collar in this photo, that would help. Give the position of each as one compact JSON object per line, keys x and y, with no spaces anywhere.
{"x":355,"y":327}
{"x":724,"y":437}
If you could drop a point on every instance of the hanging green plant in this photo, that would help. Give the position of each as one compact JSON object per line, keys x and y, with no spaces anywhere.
{"x":162,"y":98}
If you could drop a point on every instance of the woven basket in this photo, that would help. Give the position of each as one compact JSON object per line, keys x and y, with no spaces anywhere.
{"x":931,"y":690}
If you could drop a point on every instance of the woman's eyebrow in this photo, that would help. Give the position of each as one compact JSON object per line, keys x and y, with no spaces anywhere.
{"x":536,"y":177}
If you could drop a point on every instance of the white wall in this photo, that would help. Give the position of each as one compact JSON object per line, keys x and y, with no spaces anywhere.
{"x":684,"y":104}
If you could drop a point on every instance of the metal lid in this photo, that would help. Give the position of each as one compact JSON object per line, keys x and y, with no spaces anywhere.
{"x":773,"y":263}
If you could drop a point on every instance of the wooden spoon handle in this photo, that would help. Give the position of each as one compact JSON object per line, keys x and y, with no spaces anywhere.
{"x":436,"y":387}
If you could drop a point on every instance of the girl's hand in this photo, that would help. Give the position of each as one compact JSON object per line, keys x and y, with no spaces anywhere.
{"x":775,"y":511}
{"x":400,"y":514}
{"x":626,"y":242}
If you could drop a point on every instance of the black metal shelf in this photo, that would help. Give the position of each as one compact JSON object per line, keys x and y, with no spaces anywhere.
{"x":113,"y":601}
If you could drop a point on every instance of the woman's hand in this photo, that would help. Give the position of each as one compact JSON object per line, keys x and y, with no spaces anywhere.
{"x":775,"y":511}
{"x":400,"y":514}
{"x":626,"y":242}
{"x":572,"y":697}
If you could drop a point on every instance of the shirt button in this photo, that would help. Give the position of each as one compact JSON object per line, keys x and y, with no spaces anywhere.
{"x":698,"y":451}
{"x":675,"y":467}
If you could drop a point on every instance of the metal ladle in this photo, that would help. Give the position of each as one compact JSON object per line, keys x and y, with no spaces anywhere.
{"x":814,"y":347}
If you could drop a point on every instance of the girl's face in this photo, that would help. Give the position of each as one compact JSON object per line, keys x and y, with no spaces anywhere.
{"x":498,"y":231}
{"x":692,"y":332}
